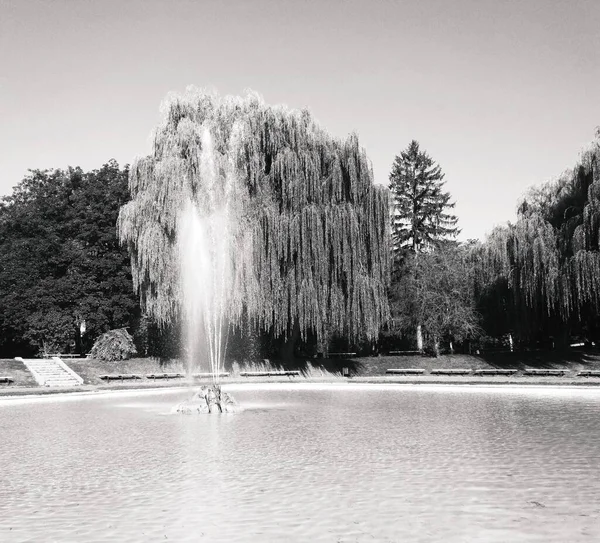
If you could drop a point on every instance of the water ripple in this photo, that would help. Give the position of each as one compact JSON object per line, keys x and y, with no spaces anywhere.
{"x":328,"y":464}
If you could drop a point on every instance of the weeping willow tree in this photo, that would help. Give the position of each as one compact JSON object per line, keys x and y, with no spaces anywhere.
{"x":548,"y":262}
{"x":311,"y":235}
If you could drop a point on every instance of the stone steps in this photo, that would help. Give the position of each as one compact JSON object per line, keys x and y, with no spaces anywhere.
{"x":51,"y":372}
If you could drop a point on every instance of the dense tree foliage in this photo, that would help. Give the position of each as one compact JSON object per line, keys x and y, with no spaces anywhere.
{"x":420,"y":214}
{"x":313,"y":240}
{"x":421,"y":224}
{"x":313,"y":229}
{"x":436,"y":292}
{"x":540,"y":277}
{"x":60,"y":261}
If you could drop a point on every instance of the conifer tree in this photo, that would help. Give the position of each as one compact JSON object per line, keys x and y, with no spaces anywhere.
{"x":420,"y":221}
{"x":420,"y":216}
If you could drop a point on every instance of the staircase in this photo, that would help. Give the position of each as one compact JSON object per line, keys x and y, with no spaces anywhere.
{"x":51,"y":372}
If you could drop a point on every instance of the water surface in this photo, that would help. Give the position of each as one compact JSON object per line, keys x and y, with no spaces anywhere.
{"x":333,"y":463}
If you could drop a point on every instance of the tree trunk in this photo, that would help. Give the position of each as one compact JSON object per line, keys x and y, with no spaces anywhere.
{"x":436,"y":347}
{"x":323,"y":345}
{"x":288,"y":345}
{"x":419,"y":338}
{"x":562,"y":338}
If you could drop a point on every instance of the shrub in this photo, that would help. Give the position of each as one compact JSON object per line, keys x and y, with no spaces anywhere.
{"x":114,"y":345}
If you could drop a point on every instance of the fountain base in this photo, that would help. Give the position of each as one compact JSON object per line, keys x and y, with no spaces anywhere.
{"x":209,"y":399}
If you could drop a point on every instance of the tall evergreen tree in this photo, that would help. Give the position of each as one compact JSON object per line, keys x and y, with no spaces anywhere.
{"x":420,"y":216}
{"x":420,"y":221}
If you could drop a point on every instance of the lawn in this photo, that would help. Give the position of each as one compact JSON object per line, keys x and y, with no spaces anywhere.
{"x":325,"y":368}
{"x":17,"y":372}
{"x":90,"y":370}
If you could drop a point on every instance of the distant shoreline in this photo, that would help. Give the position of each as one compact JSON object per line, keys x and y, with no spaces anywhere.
{"x":360,"y":370}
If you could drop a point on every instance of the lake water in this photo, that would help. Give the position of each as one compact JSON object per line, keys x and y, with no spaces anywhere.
{"x":334,"y":463}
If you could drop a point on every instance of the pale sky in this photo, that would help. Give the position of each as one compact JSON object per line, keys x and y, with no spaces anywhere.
{"x":501,"y":93}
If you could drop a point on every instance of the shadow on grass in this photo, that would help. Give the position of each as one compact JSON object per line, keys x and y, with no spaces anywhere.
{"x":576,"y":359}
{"x":543,"y":359}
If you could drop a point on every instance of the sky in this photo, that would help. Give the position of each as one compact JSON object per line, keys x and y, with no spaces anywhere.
{"x":501,"y":94}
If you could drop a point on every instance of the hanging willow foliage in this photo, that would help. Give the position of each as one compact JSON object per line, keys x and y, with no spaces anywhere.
{"x":312,"y":232}
{"x":550,"y":257}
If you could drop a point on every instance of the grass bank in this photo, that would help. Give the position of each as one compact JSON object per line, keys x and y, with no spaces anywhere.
{"x":362,"y":369}
{"x":17,"y":371}
{"x":573,"y":361}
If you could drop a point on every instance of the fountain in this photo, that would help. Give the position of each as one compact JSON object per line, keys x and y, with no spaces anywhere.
{"x":206,"y":252}
{"x":253,"y":216}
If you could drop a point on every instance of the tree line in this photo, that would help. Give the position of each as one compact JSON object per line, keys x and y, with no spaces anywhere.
{"x":534,"y":283}
{"x":65,"y":278}
{"x":539,"y":278}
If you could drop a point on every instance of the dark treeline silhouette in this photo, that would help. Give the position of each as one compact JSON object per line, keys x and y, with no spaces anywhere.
{"x":531,"y":284}
{"x":61,"y":263}
{"x":539,"y":278}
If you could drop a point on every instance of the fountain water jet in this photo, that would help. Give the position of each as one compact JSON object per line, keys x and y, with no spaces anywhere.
{"x":206,"y":250}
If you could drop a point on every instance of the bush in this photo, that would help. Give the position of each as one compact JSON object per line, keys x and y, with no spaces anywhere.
{"x":114,"y":345}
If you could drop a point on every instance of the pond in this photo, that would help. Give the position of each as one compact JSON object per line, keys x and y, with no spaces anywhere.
{"x":337,"y":463}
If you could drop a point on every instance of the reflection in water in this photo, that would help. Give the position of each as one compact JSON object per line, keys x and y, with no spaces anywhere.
{"x":329,"y":463}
